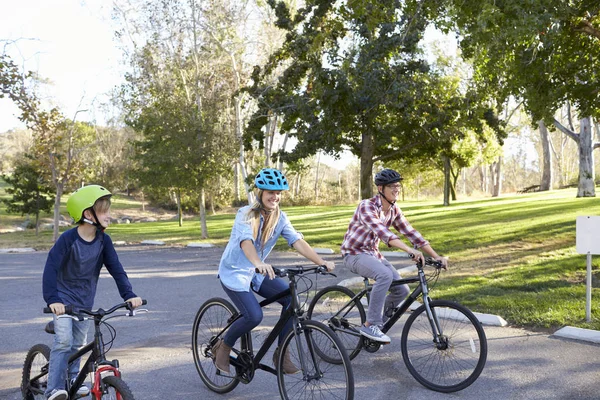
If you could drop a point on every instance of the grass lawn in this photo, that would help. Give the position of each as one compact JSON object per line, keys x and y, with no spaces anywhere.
{"x":513,"y":256}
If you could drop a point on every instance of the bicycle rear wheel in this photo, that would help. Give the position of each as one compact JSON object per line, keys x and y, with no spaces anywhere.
{"x":35,"y":373}
{"x":114,"y":388}
{"x":455,"y":363}
{"x":210,"y":320}
{"x":318,"y":378}
{"x":333,"y":306}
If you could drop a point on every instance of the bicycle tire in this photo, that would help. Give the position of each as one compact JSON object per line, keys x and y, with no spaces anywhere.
{"x":114,"y":388}
{"x":36,"y":364}
{"x":331,"y":381}
{"x":327,"y":303}
{"x":211,"y":318}
{"x":455,"y":367}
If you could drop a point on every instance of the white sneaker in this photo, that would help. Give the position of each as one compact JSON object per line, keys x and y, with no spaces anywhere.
{"x":83,"y":389}
{"x":374,"y":333}
{"x":58,"y":394}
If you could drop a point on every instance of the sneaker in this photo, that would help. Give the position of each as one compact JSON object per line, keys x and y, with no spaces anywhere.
{"x":374,"y":333}
{"x":83,"y":389}
{"x":58,"y":394}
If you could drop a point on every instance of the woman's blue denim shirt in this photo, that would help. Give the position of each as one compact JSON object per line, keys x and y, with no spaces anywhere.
{"x":235,"y":270}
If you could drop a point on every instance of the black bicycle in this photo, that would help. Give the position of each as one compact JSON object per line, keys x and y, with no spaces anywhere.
{"x":106,"y":377}
{"x":317,"y":377}
{"x":443,"y":344}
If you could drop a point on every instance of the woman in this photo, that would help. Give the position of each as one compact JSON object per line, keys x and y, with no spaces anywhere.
{"x":255,"y":232}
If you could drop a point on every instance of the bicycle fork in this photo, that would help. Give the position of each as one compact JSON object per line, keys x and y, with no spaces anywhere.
{"x":436,"y":328}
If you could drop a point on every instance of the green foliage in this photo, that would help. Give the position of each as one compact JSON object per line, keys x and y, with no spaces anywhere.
{"x":30,"y":193}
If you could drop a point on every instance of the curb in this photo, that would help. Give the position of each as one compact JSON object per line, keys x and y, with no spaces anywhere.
{"x":571,"y":332}
{"x":18,"y":250}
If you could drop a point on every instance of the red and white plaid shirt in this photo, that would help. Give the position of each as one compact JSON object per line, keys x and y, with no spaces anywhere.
{"x":368,"y":226}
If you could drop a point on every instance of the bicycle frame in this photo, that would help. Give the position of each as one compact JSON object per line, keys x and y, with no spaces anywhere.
{"x":293,"y":312}
{"x":421,"y":289}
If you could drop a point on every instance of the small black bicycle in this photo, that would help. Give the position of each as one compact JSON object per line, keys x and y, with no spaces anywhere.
{"x":443,"y":343}
{"x":106,"y":377}
{"x":310,"y":344}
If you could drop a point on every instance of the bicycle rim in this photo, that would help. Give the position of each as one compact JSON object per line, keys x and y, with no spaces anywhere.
{"x":318,"y":379}
{"x":332,"y":306}
{"x":456,"y":365}
{"x":210,"y":320}
{"x":114,"y":388}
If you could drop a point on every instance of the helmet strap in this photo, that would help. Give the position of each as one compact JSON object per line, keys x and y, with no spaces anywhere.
{"x":386,"y":199}
{"x":97,"y":224}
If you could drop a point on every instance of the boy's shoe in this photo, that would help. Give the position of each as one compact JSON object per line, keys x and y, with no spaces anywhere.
{"x":374,"y":333}
{"x":83,"y":389}
{"x":58,"y":394}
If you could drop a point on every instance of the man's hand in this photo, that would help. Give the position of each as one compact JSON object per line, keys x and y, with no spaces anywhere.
{"x":57,"y":308}
{"x":417,"y":256}
{"x":135,"y":302}
{"x":443,"y":260}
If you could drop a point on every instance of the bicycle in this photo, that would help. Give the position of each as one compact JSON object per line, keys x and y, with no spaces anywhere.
{"x":216,"y":315}
{"x":443,"y":344}
{"x":105,"y":374}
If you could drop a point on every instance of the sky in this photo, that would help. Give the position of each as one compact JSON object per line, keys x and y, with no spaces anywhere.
{"x":68,"y":42}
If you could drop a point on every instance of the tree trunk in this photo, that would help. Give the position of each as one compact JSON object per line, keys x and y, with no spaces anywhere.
{"x":317,"y":176}
{"x":366,"y":166}
{"x":59,"y":192}
{"x":201,"y":206}
{"x":179,"y":213}
{"x":446,"y":162}
{"x":587,"y":185}
{"x":498,"y":177}
{"x":547,"y":172}
{"x":236,"y":182}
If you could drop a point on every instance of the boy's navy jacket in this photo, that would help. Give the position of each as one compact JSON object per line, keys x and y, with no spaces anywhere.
{"x":73,"y":268}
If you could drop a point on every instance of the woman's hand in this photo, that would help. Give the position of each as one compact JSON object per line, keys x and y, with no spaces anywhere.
{"x":329,"y":264}
{"x":265,"y":270}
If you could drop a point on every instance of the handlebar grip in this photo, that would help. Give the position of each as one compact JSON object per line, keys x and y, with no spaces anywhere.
{"x":144,"y":302}
{"x":68,"y":310}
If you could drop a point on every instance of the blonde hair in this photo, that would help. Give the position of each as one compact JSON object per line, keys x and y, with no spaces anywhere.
{"x":254,"y":218}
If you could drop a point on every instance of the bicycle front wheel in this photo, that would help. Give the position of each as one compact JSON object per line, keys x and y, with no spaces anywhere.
{"x":35,"y":373}
{"x":333,"y":306}
{"x":210,"y":320}
{"x":113,"y":388}
{"x":458,"y":358}
{"x":318,"y":378}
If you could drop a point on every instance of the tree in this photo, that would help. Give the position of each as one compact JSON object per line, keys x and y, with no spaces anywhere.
{"x":31,"y":194}
{"x":542,"y":51}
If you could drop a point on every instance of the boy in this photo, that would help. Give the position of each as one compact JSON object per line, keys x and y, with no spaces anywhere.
{"x":71,"y":277}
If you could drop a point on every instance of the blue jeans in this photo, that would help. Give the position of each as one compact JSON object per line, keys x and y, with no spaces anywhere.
{"x":69,"y":336}
{"x":251,"y":312}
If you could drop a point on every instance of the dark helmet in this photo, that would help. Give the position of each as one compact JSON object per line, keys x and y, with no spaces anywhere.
{"x":386,"y":177}
{"x":271,"y":179}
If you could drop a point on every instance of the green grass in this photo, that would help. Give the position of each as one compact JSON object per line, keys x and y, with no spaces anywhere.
{"x":513,"y":256}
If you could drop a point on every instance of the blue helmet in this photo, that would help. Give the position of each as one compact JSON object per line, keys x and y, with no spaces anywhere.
{"x":271,"y":179}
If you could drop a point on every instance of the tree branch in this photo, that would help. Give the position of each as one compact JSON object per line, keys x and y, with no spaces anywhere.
{"x":586,"y":26}
{"x":566,"y":130}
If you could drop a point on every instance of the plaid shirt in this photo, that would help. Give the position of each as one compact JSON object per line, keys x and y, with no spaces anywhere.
{"x":368,"y":227}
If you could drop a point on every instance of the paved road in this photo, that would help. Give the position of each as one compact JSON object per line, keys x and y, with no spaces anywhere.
{"x":156,"y":360}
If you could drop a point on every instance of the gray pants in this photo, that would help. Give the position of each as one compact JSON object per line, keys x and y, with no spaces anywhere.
{"x":383,"y":273}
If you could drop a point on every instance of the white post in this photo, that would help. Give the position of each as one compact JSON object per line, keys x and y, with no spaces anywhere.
{"x":588,"y":289}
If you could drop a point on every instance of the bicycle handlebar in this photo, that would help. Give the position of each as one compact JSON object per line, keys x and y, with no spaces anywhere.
{"x":99,"y":312}
{"x":292,"y":271}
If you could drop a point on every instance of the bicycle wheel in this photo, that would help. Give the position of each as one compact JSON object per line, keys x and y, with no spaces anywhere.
{"x":114,"y":388}
{"x":211,"y":318}
{"x":333,"y":306}
{"x":458,"y":360}
{"x":317,"y":378}
{"x":35,"y":372}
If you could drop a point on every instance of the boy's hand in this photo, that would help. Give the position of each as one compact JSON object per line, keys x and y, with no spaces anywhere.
{"x":135,"y":302}
{"x":57,"y":308}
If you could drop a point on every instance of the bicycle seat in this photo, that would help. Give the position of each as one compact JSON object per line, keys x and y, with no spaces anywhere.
{"x":50,"y":327}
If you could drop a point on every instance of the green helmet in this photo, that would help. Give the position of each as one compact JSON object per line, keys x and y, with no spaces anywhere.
{"x":84,"y":198}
